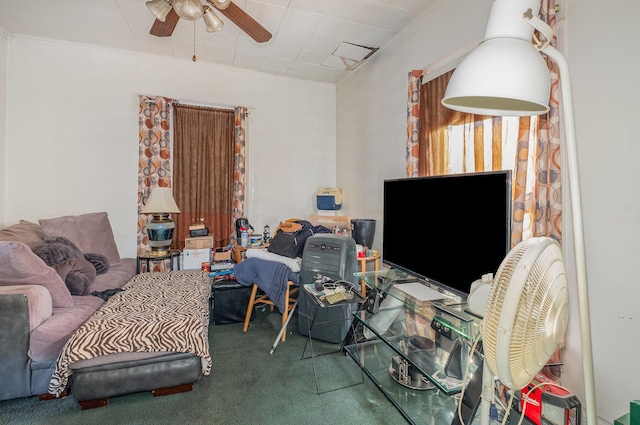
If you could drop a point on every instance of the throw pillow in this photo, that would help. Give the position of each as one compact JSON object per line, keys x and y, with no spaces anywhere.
{"x":100,"y":262}
{"x":69,"y":262}
{"x":78,"y":274}
{"x":91,"y":233}
{"x":56,"y":250}
{"x":20,"y":266}
{"x":25,"y":232}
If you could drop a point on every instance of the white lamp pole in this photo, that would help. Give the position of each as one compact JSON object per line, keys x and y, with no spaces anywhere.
{"x":505,"y":75}
{"x":578,"y":233}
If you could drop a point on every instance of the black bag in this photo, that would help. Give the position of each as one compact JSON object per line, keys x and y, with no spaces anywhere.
{"x":291,"y":244}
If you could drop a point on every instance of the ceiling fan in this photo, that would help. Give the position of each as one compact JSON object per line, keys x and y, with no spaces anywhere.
{"x":169,"y":12}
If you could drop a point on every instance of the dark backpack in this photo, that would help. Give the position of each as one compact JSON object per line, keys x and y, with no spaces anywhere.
{"x":291,"y":244}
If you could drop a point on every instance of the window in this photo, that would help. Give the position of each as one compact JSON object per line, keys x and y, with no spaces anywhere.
{"x":452,"y":142}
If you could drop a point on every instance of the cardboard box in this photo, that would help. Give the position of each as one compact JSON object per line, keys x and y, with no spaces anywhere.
{"x":199,"y":242}
{"x":193,"y":258}
{"x":222,"y":256}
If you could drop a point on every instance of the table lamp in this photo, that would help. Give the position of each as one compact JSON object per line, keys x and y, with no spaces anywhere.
{"x":160,"y":228}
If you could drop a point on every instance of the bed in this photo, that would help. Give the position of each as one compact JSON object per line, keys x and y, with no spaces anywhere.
{"x":152,"y":335}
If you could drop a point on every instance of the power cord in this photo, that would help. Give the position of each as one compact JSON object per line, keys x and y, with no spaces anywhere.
{"x":340,"y":286}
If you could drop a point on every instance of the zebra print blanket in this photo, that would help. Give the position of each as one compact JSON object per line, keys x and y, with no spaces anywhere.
{"x":155,"y":312}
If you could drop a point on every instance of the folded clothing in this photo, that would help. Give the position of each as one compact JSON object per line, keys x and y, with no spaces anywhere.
{"x":262,"y":253}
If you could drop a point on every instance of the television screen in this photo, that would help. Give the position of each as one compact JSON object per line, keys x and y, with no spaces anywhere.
{"x":449,"y":230}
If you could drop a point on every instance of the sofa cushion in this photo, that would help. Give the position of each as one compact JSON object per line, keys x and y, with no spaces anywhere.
{"x":20,"y":266}
{"x":91,"y":233}
{"x":25,"y":232}
{"x":38,"y":301}
{"x":47,"y":340}
{"x":117,"y":276}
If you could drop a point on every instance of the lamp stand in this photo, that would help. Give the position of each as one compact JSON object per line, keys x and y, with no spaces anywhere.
{"x":578,"y":232}
{"x":160,"y":233}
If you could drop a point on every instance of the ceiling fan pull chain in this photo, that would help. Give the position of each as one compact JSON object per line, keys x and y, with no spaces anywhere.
{"x":194,"y":42}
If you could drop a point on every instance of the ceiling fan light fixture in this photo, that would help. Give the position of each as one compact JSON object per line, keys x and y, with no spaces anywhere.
{"x":191,"y":10}
{"x":211,"y":20}
{"x":219,"y":4}
{"x":159,"y":8}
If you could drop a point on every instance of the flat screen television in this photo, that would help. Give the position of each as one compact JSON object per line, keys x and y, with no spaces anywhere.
{"x":448,"y":230}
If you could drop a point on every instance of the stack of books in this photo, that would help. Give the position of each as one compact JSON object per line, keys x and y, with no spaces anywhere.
{"x":222,"y":265}
{"x":224,"y":274}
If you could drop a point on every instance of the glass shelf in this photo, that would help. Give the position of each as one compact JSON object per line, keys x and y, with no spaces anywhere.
{"x":406,"y":348}
{"x":417,"y":406}
{"x":383,"y":281}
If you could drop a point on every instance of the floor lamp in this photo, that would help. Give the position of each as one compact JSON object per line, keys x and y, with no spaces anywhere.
{"x":506,"y":76}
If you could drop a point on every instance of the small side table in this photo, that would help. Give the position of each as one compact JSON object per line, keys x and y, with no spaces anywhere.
{"x":149,"y":257}
{"x":239,"y":251}
{"x":363,"y":268}
{"x":322,"y":314}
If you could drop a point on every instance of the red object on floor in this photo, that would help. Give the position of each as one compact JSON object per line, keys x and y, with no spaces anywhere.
{"x":533,"y":406}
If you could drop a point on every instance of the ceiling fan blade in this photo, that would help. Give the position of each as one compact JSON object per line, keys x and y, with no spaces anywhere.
{"x":165,"y":29}
{"x":246,"y":23}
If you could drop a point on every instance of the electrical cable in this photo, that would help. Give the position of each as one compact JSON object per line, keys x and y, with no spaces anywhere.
{"x":466,"y":377}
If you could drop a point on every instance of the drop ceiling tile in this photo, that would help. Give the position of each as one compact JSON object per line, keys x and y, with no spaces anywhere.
{"x":314,"y":57}
{"x":338,"y":63}
{"x":247,"y":60}
{"x":283,"y":52}
{"x":351,"y":51}
{"x":276,"y":64}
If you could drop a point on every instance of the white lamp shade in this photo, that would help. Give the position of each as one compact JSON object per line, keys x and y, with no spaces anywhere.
{"x":190,"y":10}
{"x":502,"y":77}
{"x":211,"y":20}
{"x":160,"y":201}
{"x":159,"y":8}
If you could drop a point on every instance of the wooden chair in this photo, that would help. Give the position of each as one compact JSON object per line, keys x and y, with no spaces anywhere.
{"x":257,"y":299}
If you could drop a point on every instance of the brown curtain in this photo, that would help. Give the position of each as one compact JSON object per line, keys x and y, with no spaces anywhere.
{"x":203,"y":171}
{"x":433,"y":145}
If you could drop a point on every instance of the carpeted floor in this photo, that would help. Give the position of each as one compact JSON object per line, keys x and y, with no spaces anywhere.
{"x":247,"y":385}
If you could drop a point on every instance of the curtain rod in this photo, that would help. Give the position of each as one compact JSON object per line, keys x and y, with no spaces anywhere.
{"x":206,"y":105}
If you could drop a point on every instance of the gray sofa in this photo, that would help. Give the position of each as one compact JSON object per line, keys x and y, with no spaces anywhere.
{"x":40,"y":309}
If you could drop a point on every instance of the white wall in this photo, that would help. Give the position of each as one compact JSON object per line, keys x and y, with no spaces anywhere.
{"x":602,"y":54}
{"x":602,"y":51}
{"x":72,"y":138}
{"x":3,"y":122}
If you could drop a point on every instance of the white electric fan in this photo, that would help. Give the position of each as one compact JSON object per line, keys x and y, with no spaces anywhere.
{"x":526,"y":315}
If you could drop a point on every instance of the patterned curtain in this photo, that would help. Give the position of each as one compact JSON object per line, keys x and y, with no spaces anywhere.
{"x":537,"y":209}
{"x":537,"y":191}
{"x":154,"y":162}
{"x":240,"y":131}
{"x":413,"y":122}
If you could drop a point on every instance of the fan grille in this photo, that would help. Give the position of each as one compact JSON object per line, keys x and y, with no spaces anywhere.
{"x":527,"y":311}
